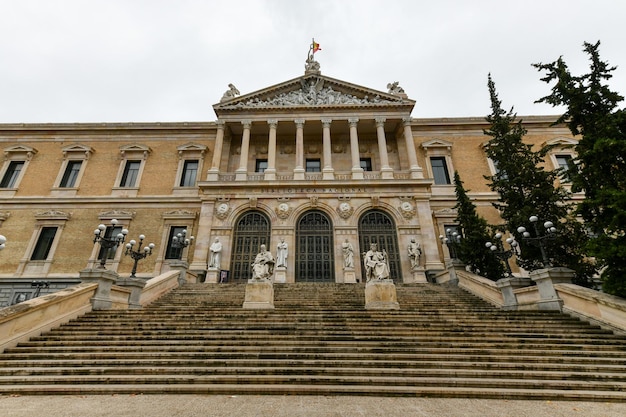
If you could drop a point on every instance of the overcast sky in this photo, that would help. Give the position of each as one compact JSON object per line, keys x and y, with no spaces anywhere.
{"x":162,"y":61}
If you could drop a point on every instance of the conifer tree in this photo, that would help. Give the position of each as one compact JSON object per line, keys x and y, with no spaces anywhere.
{"x":599,"y":170}
{"x":475,"y":233}
{"x":527,"y":189}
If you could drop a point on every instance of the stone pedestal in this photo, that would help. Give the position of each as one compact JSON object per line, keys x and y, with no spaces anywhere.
{"x":105,"y":280}
{"x":381,"y":295}
{"x":419,"y":276}
{"x":259,"y":295}
{"x":136,"y":285}
{"x":349,"y":276}
{"x":212,"y":276}
{"x":453,"y":265}
{"x":280,"y":274}
{"x":181,"y":267}
{"x":545,"y":280}
{"x":507,"y":287}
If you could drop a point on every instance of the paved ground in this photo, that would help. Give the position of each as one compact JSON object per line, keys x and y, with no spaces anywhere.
{"x":292,"y":406}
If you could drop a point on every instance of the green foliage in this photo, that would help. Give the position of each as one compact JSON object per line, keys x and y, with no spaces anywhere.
{"x":475,"y":232}
{"x":527,"y":189}
{"x":600,"y":167}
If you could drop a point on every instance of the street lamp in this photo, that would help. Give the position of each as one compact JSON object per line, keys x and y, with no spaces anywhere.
{"x":180,"y":242}
{"x":3,"y":240}
{"x":538,"y":241}
{"x":452,"y":239}
{"x":138,"y":254}
{"x":499,"y":252}
{"x":107,"y":243}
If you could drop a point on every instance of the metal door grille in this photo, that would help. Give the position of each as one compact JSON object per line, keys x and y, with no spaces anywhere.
{"x":377,"y":227}
{"x":314,"y":240}
{"x":252,"y":231}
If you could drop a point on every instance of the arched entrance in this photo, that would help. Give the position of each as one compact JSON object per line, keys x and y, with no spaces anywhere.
{"x":376,"y":226}
{"x":251,"y":231}
{"x":314,"y":248}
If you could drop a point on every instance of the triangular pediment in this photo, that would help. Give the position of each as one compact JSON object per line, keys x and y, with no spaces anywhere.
{"x":313,"y":91}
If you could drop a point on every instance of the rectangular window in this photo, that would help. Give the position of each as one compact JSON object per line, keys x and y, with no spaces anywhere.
{"x":313,"y":165}
{"x":261,"y":165}
{"x":44,"y":243}
{"x":131,"y":172}
{"x":110,"y":231}
{"x":71,"y":174}
{"x":13,"y":172}
{"x":170,"y":252}
{"x":190,"y":172}
{"x":366,"y":164}
{"x":440,"y":170}
{"x":563,"y":161}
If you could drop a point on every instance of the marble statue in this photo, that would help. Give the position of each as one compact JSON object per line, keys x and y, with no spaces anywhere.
{"x":375,"y":263}
{"x":263,"y":265}
{"x":216,"y":254}
{"x":415,"y":252}
{"x":232,"y":92}
{"x":281,"y":253}
{"x":348,"y":254}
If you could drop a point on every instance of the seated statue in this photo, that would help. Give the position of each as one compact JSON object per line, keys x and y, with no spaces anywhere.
{"x":375,"y":263}
{"x":263,"y":265}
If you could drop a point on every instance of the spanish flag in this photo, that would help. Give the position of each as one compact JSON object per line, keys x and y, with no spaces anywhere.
{"x":316,"y":47}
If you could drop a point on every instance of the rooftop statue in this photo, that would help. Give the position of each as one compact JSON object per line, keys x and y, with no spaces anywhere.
{"x":232,"y":92}
{"x":394,"y":88}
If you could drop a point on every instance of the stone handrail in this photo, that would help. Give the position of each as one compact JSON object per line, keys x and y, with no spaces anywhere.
{"x":604,"y":310}
{"x":31,"y":318}
{"x":158,"y":286}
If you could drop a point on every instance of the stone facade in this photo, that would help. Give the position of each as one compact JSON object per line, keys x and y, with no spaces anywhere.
{"x":310,"y":150}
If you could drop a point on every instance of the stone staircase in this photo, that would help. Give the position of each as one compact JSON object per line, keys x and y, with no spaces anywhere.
{"x":320,"y":340}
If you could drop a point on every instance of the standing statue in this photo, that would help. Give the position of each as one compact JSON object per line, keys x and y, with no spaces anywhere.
{"x":375,"y":264}
{"x":263,"y":265}
{"x":348,"y":254}
{"x":281,"y":253}
{"x":415,"y":252}
{"x":216,"y":254}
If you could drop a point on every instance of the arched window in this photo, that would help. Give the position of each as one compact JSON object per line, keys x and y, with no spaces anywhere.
{"x":376,"y":226}
{"x":252,"y":231}
{"x":314,"y":248}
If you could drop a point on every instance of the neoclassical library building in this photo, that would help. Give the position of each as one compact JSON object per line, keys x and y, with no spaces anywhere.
{"x":313,"y":163}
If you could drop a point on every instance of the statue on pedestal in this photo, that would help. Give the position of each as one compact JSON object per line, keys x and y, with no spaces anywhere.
{"x":281,"y":253}
{"x":415,"y":252}
{"x":348,"y":254}
{"x":375,"y":263}
{"x":263,"y":265}
{"x":216,"y":254}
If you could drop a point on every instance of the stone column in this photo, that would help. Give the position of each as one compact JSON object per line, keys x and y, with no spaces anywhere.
{"x":105,"y":280}
{"x":203,"y":238}
{"x":242,"y":172}
{"x":270,"y":172}
{"x":545,"y":280}
{"x":214,"y":171}
{"x":328,"y":173}
{"x":415,"y":169}
{"x":357,"y":171}
{"x":430,"y":251}
{"x":507,"y":288}
{"x":385,"y":169}
{"x":136,"y":285}
{"x":298,"y":172}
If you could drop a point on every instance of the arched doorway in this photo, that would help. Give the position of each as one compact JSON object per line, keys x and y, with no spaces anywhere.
{"x":314,"y":248}
{"x":251,"y":231}
{"x":376,"y":226}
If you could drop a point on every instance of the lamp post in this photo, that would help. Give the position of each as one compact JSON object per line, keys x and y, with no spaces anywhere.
{"x":107,"y":243}
{"x":538,"y":241}
{"x":504,"y":255}
{"x":138,"y":254}
{"x":451,"y":240}
{"x":180,"y":242}
{"x":3,"y":240}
